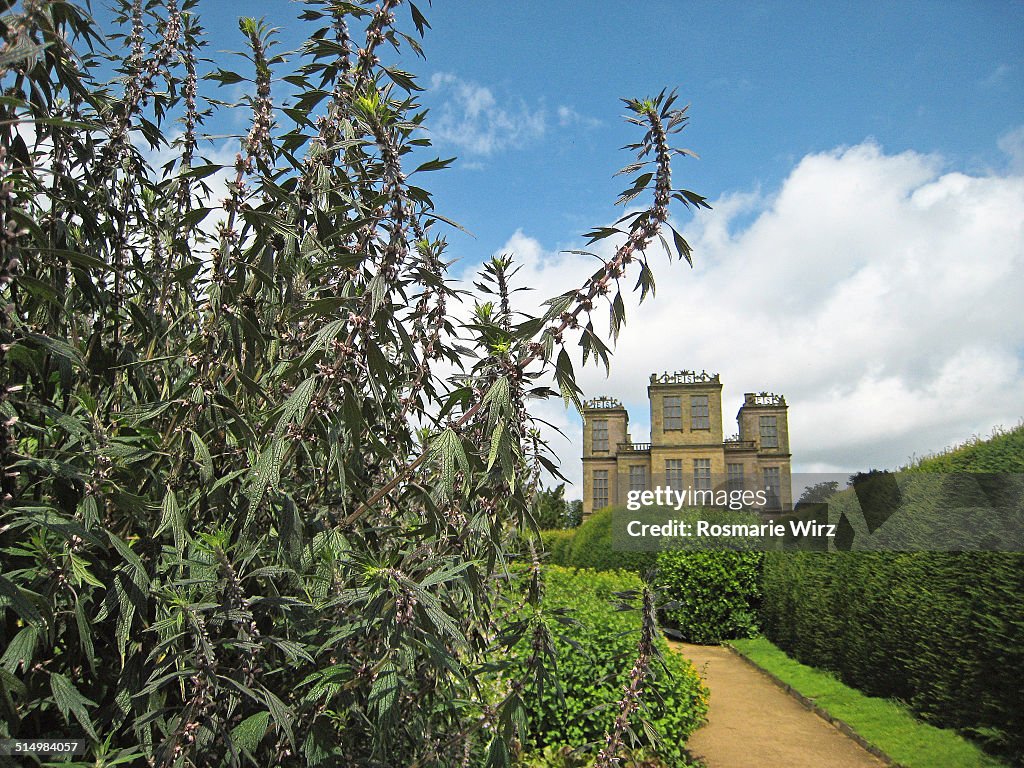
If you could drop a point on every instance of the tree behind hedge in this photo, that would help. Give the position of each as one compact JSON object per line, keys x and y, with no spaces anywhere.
{"x":245,"y":520}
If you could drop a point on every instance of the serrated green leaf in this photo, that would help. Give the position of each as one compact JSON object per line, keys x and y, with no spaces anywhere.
{"x":68,"y":699}
{"x":57,"y":347}
{"x":266,"y":472}
{"x":138,"y":569}
{"x":281,"y":713}
{"x":646,"y":281}
{"x":85,"y":633}
{"x":21,"y":649}
{"x":10,"y":684}
{"x":496,"y":436}
{"x":682,"y":247}
{"x":384,"y":691}
{"x":125,"y":614}
{"x":566,"y":380}
{"x":80,"y":571}
{"x":202,"y":455}
{"x":171,"y":517}
{"x":14,"y":596}
{"x":248,"y":733}
{"x":447,"y":449}
{"x":297,"y":404}
{"x":618,"y":315}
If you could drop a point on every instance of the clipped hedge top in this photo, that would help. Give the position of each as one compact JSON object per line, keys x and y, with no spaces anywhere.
{"x":594,"y":655}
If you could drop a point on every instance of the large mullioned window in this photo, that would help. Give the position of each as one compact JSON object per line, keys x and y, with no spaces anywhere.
{"x":673,"y":412}
{"x":600,"y":489}
{"x":700,"y":416}
{"x":702,"y":474}
{"x":772,"y":484}
{"x":600,"y":435}
{"x":638,"y":477}
{"x":735,"y":476}
{"x":674,"y":474}
{"x":769,"y":432}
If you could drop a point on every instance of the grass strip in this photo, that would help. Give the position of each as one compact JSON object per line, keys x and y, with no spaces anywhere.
{"x":883,"y":723}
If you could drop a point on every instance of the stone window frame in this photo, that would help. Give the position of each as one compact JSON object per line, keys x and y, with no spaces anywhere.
{"x":637,"y":477}
{"x":700,"y":412}
{"x":672,"y":413}
{"x":600,"y":489}
{"x":702,"y":474}
{"x":674,"y":474}
{"x":734,"y":478}
{"x":773,"y":486}
{"x":768,"y":428}
{"x":599,"y":435}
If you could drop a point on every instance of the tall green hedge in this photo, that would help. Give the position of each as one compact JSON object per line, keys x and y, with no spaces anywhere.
{"x":594,"y":658}
{"x":942,"y":631}
{"x":1002,"y":452}
{"x":558,"y":545}
{"x":714,"y":593}
{"x":592,"y":548}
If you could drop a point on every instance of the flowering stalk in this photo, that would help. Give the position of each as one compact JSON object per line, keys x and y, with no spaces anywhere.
{"x":137,"y":92}
{"x":136,"y":39}
{"x":140,"y":87}
{"x":630,"y":701}
{"x":660,"y":120}
{"x":347,"y":77}
{"x":10,"y":266}
{"x":257,"y":142}
{"x":190,"y":120}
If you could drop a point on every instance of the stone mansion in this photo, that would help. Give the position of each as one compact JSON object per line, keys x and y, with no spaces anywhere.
{"x":687,"y":448}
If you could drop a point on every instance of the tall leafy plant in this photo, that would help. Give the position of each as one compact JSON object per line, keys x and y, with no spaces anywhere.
{"x":245,"y":518}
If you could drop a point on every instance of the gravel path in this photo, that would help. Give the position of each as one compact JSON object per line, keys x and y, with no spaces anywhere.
{"x":752,"y":723}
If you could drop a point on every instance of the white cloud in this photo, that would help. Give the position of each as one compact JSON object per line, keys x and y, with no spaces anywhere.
{"x":1012,"y":145}
{"x":880,"y":294}
{"x":997,"y":76}
{"x":568,"y":116}
{"x":471,"y":118}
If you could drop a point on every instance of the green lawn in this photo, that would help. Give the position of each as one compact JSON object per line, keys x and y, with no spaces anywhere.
{"x":881,"y":722}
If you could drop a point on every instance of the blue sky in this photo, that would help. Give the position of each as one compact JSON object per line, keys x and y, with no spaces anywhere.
{"x":865,"y":254}
{"x":767,"y":82}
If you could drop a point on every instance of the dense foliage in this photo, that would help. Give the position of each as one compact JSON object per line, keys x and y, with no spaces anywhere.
{"x":592,"y":641}
{"x":557,"y":544}
{"x":712,"y":594}
{"x":551,"y":510}
{"x":244,"y":518}
{"x":942,"y":631}
{"x":592,"y":548}
{"x":1003,"y":451}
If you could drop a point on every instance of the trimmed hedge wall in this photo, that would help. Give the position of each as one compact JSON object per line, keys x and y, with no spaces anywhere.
{"x":594,"y":658}
{"x":1002,"y":452}
{"x":941,"y":631}
{"x":717,"y":591}
{"x":558,"y":545}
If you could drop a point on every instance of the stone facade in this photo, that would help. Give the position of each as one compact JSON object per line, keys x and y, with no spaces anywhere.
{"x":687,"y":447}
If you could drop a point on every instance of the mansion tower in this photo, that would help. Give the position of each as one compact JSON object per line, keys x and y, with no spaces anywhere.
{"x":687,"y":448}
